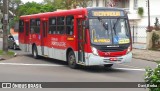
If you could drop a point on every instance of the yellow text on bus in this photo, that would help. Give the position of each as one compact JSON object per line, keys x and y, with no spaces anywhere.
{"x":106,"y":13}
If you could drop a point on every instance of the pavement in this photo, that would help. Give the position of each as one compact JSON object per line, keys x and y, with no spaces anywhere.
{"x":139,"y":46}
{"x":148,"y":55}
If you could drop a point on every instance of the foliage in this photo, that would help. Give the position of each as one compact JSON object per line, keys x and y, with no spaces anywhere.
{"x":140,"y":11}
{"x":155,"y":38}
{"x":67,"y":4}
{"x":153,"y":77}
{"x":34,"y":8}
{"x":156,"y":24}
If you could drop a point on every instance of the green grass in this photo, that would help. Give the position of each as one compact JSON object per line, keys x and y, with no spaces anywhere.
{"x":10,"y":53}
{"x":158,"y":61}
{"x":154,"y":49}
{"x":1,"y":52}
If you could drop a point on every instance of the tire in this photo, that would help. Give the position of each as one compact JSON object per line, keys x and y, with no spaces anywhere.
{"x":71,"y":60}
{"x":35,"y":52}
{"x":14,"y":46}
{"x":108,"y":65}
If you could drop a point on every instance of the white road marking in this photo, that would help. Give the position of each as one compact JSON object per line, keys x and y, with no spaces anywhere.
{"x":51,"y":65}
{"x":23,"y":64}
{"x":130,"y":69}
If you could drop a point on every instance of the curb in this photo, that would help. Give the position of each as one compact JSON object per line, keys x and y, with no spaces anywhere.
{"x":145,"y":59}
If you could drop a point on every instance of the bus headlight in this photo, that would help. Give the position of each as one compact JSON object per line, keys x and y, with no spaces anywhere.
{"x":94,"y":50}
{"x":129,"y":49}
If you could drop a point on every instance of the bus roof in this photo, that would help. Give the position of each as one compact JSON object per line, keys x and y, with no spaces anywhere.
{"x":68,"y":12}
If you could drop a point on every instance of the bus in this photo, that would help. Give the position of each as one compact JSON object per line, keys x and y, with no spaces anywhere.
{"x":84,"y":36}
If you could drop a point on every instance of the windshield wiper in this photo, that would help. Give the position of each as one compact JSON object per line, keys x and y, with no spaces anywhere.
{"x":104,"y":25}
{"x":115,"y":25}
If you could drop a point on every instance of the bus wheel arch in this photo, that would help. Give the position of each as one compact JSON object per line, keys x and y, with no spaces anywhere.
{"x":34,"y":51}
{"x":71,"y":58}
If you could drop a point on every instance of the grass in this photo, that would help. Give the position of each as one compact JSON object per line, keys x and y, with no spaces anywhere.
{"x":9,"y":53}
{"x":155,"y":49}
{"x":158,"y":61}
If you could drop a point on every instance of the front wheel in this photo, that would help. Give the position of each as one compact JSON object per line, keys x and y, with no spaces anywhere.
{"x":108,"y":65}
{"x":72,"y":60}
{"x":35,"y":52}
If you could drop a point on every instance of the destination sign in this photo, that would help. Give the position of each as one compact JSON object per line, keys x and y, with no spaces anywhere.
{"x":106,"y":13}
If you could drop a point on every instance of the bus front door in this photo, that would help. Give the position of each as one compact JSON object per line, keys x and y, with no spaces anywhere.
{"x":81,"y":42}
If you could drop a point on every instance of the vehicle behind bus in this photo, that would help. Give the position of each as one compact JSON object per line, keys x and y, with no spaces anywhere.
{"x":87,"y":36}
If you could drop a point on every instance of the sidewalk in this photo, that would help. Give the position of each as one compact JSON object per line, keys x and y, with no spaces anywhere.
{"x":139,"y":46}
{"x":146,"y":54}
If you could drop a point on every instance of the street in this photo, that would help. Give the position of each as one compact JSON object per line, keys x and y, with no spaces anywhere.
{"x":24,"y":68}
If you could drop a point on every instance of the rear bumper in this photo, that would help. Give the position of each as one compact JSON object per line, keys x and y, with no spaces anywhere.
{"x":97,"y":60}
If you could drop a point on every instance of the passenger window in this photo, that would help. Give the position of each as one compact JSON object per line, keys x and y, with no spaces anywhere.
{"x":60,"y":25}
{"x":52,"y":26}
{"x":69,"y":25}
{"x":35,"y":26}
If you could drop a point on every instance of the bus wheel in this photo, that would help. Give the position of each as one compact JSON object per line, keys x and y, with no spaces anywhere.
{"x":108,"y":65}
{"x":72,"y":60}
{"x":35,"y":52}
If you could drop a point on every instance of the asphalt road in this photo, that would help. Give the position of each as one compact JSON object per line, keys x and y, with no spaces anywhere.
{"x":24,"y":68}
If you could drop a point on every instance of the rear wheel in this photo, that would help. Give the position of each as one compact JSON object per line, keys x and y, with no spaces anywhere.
{"x":72,"y":60}
{"x":35,"y":52}
{"x":108,"y":65}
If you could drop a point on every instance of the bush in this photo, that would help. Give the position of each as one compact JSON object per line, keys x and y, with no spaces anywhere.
{"x":140,"y":11}
{"x":155,"y":37}
{"x":153,"y":77}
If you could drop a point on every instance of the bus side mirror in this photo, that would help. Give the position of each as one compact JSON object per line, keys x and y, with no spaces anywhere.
{"x":86,"y":24}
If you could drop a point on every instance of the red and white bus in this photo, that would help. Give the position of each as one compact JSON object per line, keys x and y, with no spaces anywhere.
{"x":86,"y":36}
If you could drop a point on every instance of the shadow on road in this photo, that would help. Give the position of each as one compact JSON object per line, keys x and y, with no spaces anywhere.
{"x":93,"y":69}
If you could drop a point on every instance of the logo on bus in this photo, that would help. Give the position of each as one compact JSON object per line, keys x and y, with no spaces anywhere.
{"x":55,"y":42}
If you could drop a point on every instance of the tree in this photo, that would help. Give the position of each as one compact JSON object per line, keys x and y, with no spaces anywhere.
{"x":34,"y":8}
{"x":67,"y":4}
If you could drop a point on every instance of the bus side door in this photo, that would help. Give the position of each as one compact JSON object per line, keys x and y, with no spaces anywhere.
{"x":81,"y":41}
{"x":26,"y":38}
{"x":44,"y":37}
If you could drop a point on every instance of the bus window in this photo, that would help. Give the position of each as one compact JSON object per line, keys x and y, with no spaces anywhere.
{"x":21,"y":26}
{"x":35,"y":26}
{"x":52,"y":26}
{"x":60,"y":25}
{"x":69,"y":25}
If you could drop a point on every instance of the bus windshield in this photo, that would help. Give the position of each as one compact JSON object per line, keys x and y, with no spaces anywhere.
{"x":109,"y":31}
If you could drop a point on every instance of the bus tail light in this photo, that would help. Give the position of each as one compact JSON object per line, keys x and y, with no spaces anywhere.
{"x":94,"y":50}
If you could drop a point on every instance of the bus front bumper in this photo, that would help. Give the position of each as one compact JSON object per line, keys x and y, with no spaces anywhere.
{"x":97,"y":60}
